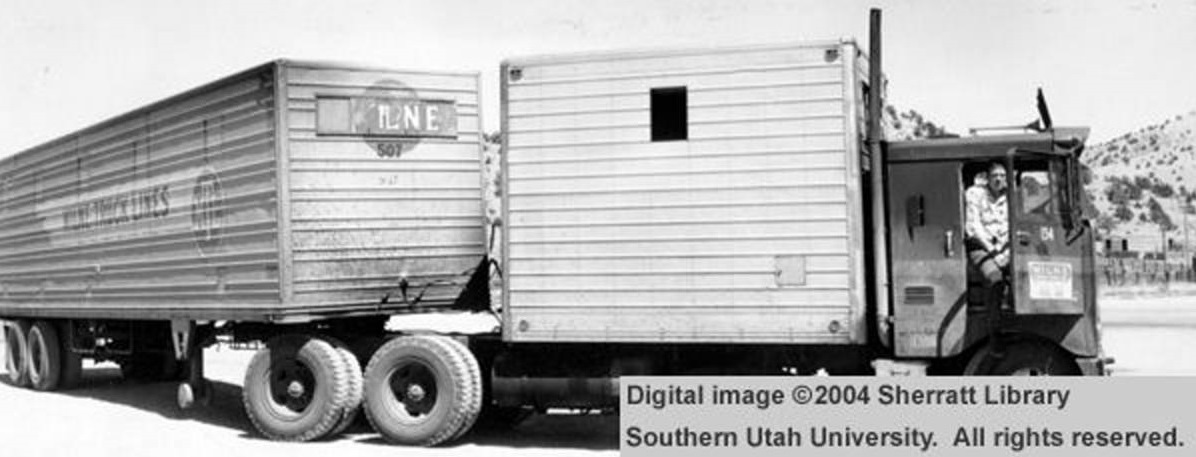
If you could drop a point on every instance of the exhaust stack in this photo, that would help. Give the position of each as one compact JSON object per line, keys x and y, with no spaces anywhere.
{"x":880,"y":246}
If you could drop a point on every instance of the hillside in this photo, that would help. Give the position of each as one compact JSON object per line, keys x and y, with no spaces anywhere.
{"x":1143,"y":183}
{"x":907,"y":125}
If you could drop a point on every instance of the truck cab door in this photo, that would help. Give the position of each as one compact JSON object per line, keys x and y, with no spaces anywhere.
{"x":1047,"y":255}
{"x":928,"y":260}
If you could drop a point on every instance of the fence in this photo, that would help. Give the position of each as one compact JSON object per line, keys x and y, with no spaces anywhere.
{"x":1147,"y":269}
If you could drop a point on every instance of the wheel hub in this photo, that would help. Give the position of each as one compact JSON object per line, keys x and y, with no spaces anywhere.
{"x":1030,"y":371}
{"x":416,"y":393}
{"x":414,"y":386}
{"x":292,"y":385}
{"x":295,"y":389}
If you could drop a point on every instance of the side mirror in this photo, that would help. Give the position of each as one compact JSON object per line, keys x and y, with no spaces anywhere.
{"x":1069,"y":204}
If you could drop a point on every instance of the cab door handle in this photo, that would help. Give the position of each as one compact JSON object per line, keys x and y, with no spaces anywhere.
{"x":949,"y":249}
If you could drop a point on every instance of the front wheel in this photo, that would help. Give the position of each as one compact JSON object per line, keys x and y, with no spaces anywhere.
{"x":422,"y":390}
{"x":1022,"y":358}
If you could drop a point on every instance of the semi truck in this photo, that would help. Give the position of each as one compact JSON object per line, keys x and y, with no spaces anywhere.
{"x":727,"y":211}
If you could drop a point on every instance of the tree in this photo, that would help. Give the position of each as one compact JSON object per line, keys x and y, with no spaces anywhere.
{"x":1087,"y":208}
{"x":493,"y":137}
{"x":1105,"y":224}
{"x":1163,"y":190}
{"x":1142,"y":182}
{"x":1123,"y":213}
{"x":1157,"y":215}
{"x":1085,"y":174}
{"x":1122,"y":190}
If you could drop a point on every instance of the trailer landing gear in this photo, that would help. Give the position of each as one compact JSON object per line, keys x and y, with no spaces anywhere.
{"x":195,"y":390}
{"x":188,"y":348}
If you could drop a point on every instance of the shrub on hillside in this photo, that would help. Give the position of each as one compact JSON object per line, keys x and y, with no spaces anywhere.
{"x":1123,"y":213}
{"x":1121,"y":190}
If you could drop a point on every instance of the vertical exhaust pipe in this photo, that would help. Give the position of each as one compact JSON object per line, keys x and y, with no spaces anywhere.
{"x":875,"y":80}
{"x":880,"y":246}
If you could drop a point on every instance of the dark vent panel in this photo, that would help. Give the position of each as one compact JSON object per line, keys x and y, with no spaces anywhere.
{"x":919,"y":295}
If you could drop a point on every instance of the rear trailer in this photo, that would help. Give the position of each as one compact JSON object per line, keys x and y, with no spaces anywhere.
{"x":724,"y":212}
{"x":671,"y":212}
{"x":296,"y":203}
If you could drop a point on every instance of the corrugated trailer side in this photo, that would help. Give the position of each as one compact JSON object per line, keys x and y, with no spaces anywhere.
{"x":167,"y":211}
{"x":298,"y":204}
{"x":372,"y":207}
{"x":746,"y":230}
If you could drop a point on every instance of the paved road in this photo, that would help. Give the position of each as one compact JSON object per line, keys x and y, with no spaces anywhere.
{"x":1150,"y":335}
{"x":108,"y":417}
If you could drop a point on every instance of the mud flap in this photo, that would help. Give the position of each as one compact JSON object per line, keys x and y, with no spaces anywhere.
{"x":476,"y":296}
{"x":1095,"y":366}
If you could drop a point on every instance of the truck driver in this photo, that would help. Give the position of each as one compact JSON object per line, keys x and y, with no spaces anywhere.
{"x":987,"y":228}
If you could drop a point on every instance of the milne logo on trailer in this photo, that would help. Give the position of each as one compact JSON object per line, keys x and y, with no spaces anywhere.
{"x":386,"y":117}
{"x":389,"y":116}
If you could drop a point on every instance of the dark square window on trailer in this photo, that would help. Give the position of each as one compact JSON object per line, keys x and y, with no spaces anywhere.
{"x":670,"y":114}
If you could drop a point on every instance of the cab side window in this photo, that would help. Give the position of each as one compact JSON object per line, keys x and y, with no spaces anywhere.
{"x":1036,"y":189}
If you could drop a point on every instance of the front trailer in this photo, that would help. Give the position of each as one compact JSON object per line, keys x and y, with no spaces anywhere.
{"x":296,"y":203}
{"x":682,"y":212}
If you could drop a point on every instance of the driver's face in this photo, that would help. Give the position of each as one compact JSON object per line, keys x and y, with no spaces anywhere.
{"x":996,"y":179}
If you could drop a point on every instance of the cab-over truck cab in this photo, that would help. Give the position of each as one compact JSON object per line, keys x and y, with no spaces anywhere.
{"x":1046,"y":320}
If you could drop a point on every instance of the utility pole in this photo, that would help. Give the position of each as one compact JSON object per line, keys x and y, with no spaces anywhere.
{"x":1186,"y":207}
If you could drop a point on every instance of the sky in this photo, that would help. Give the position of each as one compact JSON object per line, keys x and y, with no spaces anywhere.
{"x":1115,"y":66}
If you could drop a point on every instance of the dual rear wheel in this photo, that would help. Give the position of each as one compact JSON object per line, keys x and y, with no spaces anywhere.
{"x":38,"y":356}
{"x":300,"y":388}
{"x":423,"y":390}
{"x":419,"y":390}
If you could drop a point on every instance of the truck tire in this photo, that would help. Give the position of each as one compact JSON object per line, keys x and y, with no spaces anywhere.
{"x":356,"y":381}
{"x":72,"y":362}
{"x":16,"y":350}
{"x":1024,"y":357}
{"x":45,"y":357}
{"x":475,"y":369}
{"x":296,"y":388}
{"x":420,"y":390}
